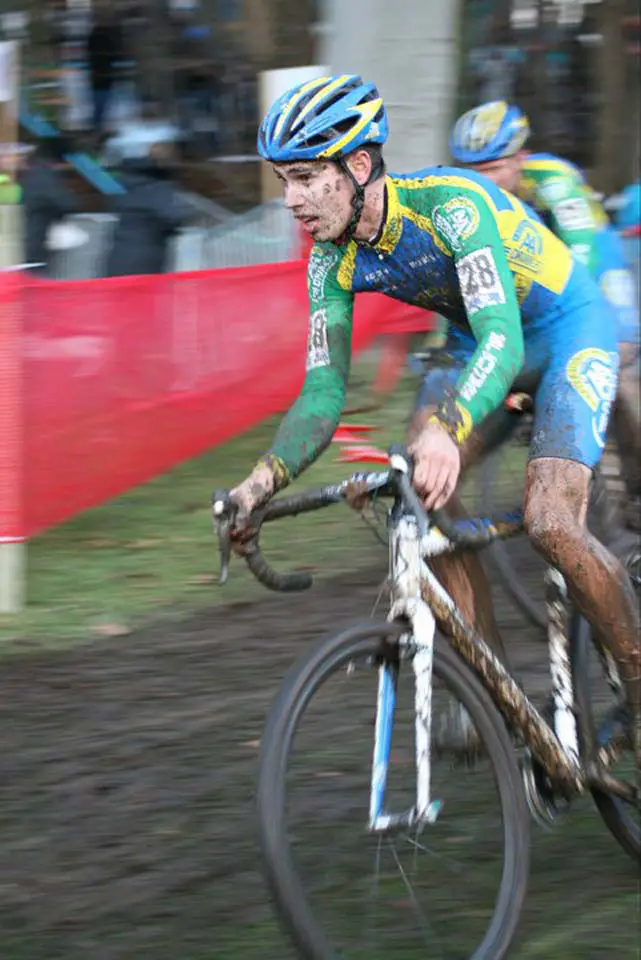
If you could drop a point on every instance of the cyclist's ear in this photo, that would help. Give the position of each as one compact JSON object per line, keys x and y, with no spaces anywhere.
{"x":360,"y":165}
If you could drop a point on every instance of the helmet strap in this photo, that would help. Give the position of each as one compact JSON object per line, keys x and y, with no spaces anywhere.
{"x":358,"y":197}
{"x":358,"y":202}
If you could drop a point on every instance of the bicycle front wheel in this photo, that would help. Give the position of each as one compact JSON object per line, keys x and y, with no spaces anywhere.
{"x":389,"y":918}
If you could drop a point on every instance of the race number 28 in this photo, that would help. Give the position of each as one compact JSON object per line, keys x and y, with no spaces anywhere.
{"x":481,"y":284}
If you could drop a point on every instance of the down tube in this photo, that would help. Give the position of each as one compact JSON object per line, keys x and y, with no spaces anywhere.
{"x":385,"y":707}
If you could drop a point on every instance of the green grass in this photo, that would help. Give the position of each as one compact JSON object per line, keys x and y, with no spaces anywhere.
{"x":152,"y":553}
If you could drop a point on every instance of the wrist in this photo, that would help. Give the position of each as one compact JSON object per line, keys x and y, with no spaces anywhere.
{"x":455,"y":420}
{"x":272,"y":472}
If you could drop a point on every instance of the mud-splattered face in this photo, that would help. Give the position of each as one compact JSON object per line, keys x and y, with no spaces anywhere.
{"x":319,"y":196}
{"x":505,"y":173}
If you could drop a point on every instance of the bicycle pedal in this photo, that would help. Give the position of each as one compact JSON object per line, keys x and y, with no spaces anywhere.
{"x":539,"y":795}
{"x":614,"y":735}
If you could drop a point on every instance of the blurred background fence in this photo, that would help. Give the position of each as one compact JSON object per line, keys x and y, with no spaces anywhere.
{"x":171,"y":128}
{"x":573,"y":65}
{"x":264,"y":234}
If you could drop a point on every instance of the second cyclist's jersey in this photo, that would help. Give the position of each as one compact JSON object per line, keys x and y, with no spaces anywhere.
{"x":451,"y":242}
{"x":559,"y":192}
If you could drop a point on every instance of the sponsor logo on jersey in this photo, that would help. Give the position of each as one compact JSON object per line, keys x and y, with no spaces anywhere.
{"x":483,"y":366}
{"x":526,"y":246}
{"x":319,"y":266}
{"x":593,"y":374}
{"x":456,"y":221}
{"x":554,"y":189}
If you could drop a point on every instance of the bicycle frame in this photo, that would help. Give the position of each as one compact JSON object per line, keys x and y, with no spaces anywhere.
{"x":419,"y":598}
{"x":570,"y":764}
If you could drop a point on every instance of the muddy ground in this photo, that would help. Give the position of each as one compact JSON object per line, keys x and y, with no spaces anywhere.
{"x":127,"y":771}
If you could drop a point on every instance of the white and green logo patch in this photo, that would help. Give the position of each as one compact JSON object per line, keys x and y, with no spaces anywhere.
{"x":456,"y":221}
{"x":554,"y":189}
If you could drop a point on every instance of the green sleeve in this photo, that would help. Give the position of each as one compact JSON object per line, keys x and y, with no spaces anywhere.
{"x":309,"y":425}
{"x":570,"y":215}
{"x":467,"y":227}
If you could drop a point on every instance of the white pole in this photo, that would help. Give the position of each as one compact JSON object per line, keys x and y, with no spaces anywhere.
{"x":12,"y":547}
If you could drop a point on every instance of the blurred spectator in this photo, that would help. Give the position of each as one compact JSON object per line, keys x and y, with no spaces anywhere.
{"x":151,"y":212}
{"x":105,"y":50}
{"x":135,"y":137}
{"x":196,"y":82}
{"x":69,"y":28}
{"x":46,"y":197}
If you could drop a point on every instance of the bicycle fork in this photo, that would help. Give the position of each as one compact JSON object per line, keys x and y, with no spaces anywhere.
{"x":406,"y":565}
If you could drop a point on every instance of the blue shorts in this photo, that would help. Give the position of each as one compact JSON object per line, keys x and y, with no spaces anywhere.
{"x":571,"y":370}
{"x":618,"y":284}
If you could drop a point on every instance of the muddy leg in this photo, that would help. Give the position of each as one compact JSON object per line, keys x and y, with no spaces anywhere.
{"x":556,"y":501}
{"x":626,"y":420}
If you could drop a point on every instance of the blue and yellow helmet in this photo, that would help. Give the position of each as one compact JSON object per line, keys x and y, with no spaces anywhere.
{"x":323,"y":119}
{"x":489,"y":132}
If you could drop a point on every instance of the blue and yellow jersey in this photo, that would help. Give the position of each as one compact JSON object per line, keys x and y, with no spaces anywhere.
{"x":432,"y":219}
{"x":452,"y":242}
{"x":568,"y":205}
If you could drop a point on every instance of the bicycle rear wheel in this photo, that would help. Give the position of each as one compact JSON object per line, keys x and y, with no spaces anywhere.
{"x":374,"y":643}
{"x":602,"y":706}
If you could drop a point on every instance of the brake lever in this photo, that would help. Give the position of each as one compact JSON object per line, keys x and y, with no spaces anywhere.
{"x":401,"y":462}
{"x":224,"y":512}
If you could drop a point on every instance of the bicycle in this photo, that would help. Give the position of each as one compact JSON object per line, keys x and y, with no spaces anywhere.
{"x":561,"y":757}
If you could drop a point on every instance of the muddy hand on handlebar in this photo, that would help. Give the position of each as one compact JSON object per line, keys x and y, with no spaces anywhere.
{"x":394,"y":482}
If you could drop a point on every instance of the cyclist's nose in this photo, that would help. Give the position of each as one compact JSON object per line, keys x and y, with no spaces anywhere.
{"x":293,"y":196}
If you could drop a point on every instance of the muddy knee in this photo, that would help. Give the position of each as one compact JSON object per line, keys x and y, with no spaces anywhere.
{"x":553,"y":530}
{"x":556,"y":502}
{"x":547,"y":529}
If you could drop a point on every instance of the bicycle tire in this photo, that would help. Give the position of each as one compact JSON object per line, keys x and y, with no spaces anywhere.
{"x":623,"y":823}
{"x":297,"y":689}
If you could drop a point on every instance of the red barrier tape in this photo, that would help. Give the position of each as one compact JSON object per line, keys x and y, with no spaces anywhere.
{"x":126,"y":377}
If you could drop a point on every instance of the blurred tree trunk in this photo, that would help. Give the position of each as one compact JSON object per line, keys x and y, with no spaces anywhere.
{"x":632,"y":143}
{"x":294,"y":40}
{"x":612,"y":71}
{"x":540,"y":77}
